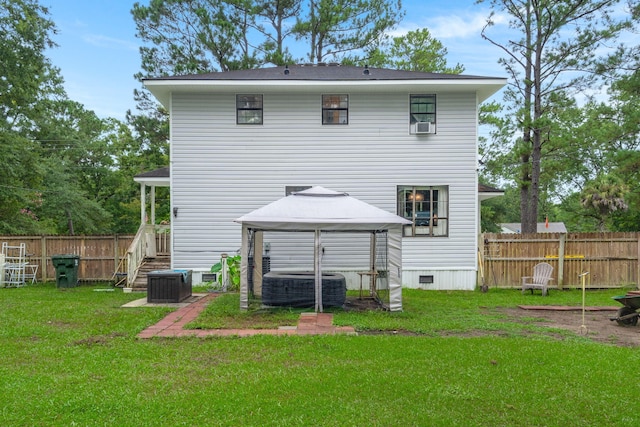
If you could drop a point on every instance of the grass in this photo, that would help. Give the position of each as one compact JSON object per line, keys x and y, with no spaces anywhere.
{"x":462,"y":311}
{"x":224,"y":313}
{"x":430,"y":313}
{"x":71,"y":357}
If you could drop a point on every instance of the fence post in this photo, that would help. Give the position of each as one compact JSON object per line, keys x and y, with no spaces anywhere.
{"x":44,"y":271}
{"x":561,"y":248}
{"x":116,"y":258}
{"x":638,"y":266}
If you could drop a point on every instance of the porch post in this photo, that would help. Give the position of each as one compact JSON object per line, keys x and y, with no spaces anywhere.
{"x":153,"y":205}
{"x":143,"y":203}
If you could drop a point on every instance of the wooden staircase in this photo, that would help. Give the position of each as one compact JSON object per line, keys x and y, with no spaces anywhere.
{"x":160,"y":262}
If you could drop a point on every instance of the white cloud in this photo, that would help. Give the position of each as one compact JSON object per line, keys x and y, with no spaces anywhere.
{"x":459,"y":31}
{"x":456,"y":26}
{"x":462,"y":25}
{"x":109,"y":42}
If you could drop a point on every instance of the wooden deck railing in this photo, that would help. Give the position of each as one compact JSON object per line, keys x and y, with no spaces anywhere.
{"x":148,"y":242}
{"x":135,"y":254}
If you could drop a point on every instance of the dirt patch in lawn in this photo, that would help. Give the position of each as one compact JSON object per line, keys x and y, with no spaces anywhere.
{"x":362,"y":304}
{"x":596,"y":325}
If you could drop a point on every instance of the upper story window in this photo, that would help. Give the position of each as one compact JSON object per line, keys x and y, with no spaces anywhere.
{"x":290,"y":189}
{"x":249,"y":109}
{"x":427,"y":207}
{"x":335,"y":109}
{"x":422,"y":116}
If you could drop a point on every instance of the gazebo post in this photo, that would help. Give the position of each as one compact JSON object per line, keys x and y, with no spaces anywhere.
{"x":244,"y":262}
{"x":317,"y":267}
{"x":394,"y":242}
{"x":257,"y":263}
{"x":372,"y":261}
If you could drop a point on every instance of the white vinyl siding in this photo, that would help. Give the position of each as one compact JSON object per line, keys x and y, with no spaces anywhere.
{"x":221,"y":171}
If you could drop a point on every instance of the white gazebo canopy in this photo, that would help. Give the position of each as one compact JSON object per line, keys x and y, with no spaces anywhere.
{"x":319,"y":209}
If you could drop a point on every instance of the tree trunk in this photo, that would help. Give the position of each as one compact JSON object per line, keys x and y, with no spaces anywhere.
{"x":536,"y":149}
{"x":69,"y":222}
{"x":312,"y":15}
{"x":525,"y":196}
{"x":528,"y":186}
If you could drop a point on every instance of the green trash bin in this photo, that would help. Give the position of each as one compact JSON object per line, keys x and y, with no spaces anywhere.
{"x":66,"y":270}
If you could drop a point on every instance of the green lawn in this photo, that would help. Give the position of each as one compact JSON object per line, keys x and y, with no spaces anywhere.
{"x":71,"y":357}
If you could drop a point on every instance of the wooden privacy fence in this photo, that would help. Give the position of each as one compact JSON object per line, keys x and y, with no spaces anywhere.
{"x":100,"y":256}
{"x":612,"y":259}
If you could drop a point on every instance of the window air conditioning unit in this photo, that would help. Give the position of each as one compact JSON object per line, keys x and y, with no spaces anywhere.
{"x":424,"y":127}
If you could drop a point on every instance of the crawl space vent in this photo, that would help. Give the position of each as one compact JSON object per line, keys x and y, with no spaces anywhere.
{"x":426,"y":280}
{"x":209,"y":277}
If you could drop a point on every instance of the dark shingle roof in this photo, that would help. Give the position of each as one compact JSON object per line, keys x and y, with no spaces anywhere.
{"x":483,"y":188}
{"x":158,"y":173}
{"x":303,"y":77}
{"x":319,"y":72}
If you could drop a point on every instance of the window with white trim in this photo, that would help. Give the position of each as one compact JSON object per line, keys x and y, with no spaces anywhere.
{"x":335,"y":109}
{"x":249,"y":109}
{"x":427,"y":207}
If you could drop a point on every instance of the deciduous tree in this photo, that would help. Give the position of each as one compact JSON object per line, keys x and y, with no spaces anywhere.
{"x":27,"y":78}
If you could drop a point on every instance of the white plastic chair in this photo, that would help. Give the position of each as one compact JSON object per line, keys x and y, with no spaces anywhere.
{"x":540,"y":279}
{"x":30,"y":272}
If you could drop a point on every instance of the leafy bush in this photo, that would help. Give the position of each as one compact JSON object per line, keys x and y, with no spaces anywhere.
{"x":233,"y":267}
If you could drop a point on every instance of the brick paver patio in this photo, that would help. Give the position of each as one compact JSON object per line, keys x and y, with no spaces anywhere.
{"x":172,"y":325}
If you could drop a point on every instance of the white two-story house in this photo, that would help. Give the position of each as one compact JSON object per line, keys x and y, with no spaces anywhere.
{"x":405,"y":142}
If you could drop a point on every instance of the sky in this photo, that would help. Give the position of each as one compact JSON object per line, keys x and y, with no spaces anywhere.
{"x":98,"y":54}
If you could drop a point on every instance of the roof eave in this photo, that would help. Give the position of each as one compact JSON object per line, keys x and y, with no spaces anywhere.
{"x":484,"y":88}
{"x":482,"y":196}
{"x":153,"y":181}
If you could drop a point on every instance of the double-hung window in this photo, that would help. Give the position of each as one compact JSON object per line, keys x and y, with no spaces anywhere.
{"x":249,"y":109}
{"x":427,"y":207}
{"x":335,"y":109}
{"x":422,"y":109}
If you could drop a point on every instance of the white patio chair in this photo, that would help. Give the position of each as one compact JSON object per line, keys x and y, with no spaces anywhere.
{"x":30,"y":272}
{"x":540,"y":279}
